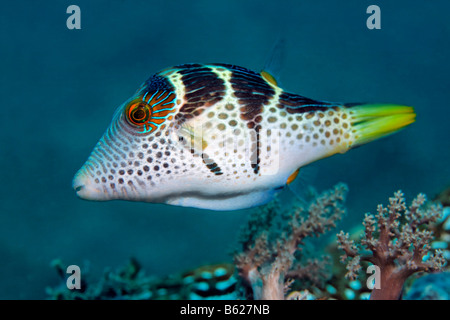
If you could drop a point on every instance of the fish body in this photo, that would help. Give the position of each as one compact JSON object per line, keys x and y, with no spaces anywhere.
{"x":222,"y":137}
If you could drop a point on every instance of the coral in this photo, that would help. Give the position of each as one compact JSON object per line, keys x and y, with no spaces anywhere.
{"x":397,"y":241}
{"x":430,"y":287}
{"x":276,"y":259}
{"x":444,"y":197}
{"x":338,"y":287}
{"x":130,"y":283}
{"x":269,"y":247}
{"x":441,"y":229}
{"x":125,"y":283}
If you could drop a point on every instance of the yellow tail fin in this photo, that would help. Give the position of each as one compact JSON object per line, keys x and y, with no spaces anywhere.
{"x":373,"y":121}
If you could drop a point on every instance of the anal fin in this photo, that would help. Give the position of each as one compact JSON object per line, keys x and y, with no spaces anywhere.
{"x":292,"y":177}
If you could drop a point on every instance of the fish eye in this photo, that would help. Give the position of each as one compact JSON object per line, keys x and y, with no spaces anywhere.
{"x":138,"y":113}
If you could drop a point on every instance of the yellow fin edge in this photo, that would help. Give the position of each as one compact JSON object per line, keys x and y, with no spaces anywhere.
{"x":269,"y":78}
{"x":292,"y":177}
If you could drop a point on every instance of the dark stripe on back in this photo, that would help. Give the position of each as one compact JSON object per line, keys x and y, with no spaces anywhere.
{"x":188,"y":66}
{"x":353,"y":104}
{"x":252,"y":92}
{"x":203,"y":88}
{"x":294,"y":103}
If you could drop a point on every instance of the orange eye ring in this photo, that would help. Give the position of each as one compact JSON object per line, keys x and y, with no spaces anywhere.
{"x":138,"y":113}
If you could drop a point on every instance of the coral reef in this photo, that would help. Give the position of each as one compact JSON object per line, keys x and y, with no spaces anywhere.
{"x":395,"y":240}
{"x":444,"y":197}
{"x":441,"y":229}
{"x":126,"y":283}
{"x":276,"y":258}
{"x":268,"y":258}
{"x":430,"y":287}
{"x":130,"y":283}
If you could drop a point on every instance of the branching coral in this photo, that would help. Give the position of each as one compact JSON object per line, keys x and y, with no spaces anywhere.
{"x":397,"y":241}
{"x":267,"y":258}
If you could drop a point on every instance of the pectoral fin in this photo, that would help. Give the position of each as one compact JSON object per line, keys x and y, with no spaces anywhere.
{"x":195,"y":140}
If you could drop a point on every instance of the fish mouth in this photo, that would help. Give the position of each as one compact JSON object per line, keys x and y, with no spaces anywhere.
{"x":79,"y":184}
{"x":78,"y":188}
{"x":84,"y":189}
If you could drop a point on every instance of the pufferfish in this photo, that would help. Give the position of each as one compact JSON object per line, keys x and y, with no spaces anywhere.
{"x":222,"y":137}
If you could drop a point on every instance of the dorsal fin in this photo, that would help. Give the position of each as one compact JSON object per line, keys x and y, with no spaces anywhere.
{"x":274,"y":62}
{"x":269,"y":78}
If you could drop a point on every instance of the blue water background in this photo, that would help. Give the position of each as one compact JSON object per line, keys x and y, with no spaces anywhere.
{"x":60,"y":87}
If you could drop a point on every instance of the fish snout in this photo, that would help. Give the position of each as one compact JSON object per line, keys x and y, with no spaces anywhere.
{"x":84,"y":186}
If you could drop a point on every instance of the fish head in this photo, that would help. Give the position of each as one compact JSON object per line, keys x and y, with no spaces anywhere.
{"x":134,"y":153}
